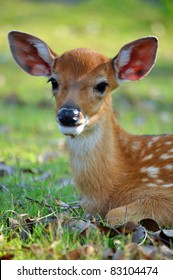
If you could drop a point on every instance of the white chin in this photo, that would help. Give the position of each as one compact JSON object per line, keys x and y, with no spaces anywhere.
{"x":71,"y":130}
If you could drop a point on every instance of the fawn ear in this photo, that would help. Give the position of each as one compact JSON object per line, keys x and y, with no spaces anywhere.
{"x":31,"y":54}
{"x":136,"y":59}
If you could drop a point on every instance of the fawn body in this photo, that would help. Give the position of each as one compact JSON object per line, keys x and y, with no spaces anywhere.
{"x":120,"y":175}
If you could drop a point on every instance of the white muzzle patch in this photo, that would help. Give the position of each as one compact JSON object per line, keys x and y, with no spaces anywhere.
{"x":72,"y":130}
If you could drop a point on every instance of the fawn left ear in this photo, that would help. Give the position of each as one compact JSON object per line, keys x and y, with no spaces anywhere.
{"x":135,"y":60}
{"x":31,"y":54}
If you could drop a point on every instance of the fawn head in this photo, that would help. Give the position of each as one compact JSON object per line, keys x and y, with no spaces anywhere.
{"x":82,"y":79}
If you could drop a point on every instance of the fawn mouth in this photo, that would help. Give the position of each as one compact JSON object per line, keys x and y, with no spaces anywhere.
{"x":72,"y":130}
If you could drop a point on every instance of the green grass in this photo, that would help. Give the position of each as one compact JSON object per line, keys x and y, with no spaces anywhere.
{"x":29,"y":137}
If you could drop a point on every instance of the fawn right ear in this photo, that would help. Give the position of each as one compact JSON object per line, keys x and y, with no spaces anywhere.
{"x":31,"y":54}
{"x":135,"y":60}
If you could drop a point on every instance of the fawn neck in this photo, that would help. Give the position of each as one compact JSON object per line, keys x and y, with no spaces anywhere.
{"x":98,"y":158}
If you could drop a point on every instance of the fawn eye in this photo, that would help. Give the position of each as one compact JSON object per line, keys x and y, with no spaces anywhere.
{"x":54,"y":83}
{"x":101,"y":87}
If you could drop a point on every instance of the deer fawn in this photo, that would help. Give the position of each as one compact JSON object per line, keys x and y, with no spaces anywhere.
{"x":120,"y":175}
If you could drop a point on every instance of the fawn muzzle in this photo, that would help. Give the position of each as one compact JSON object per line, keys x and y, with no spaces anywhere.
{"x":70,"y":120}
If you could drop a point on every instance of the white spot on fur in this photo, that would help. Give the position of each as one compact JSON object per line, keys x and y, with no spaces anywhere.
{"x":168,"y":143}
{"x":153,"y":140}
{"x":144,"y":169}
{"x":151,"y":171}
{"x":167,"y":185}
{"x":148,"y":157}
{"x":151,"y":185}
{"x":166,"y":156}
{"x":135,"y":146}
{"x":169,"y":166}
{"x":171,"y":150}
{"x":149,"y":144}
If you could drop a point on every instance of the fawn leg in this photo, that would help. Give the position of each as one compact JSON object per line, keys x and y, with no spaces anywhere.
{"x":157,"y":208}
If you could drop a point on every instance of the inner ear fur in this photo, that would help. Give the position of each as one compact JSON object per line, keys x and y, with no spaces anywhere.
{"x":31,"y":54}
{"x":135,"y":60}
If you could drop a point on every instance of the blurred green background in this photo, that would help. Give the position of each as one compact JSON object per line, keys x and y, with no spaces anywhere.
{"x":27,"y":120}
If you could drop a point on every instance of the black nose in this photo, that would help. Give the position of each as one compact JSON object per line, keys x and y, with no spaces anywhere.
{"x":68,"y":116}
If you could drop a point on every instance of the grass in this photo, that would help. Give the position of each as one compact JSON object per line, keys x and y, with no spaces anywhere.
{"x":29,"y":138}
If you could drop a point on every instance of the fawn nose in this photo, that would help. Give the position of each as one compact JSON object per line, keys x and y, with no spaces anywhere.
{"x":68,"y":116}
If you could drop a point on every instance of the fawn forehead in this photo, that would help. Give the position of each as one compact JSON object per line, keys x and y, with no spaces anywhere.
{"x":81,"y":62}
